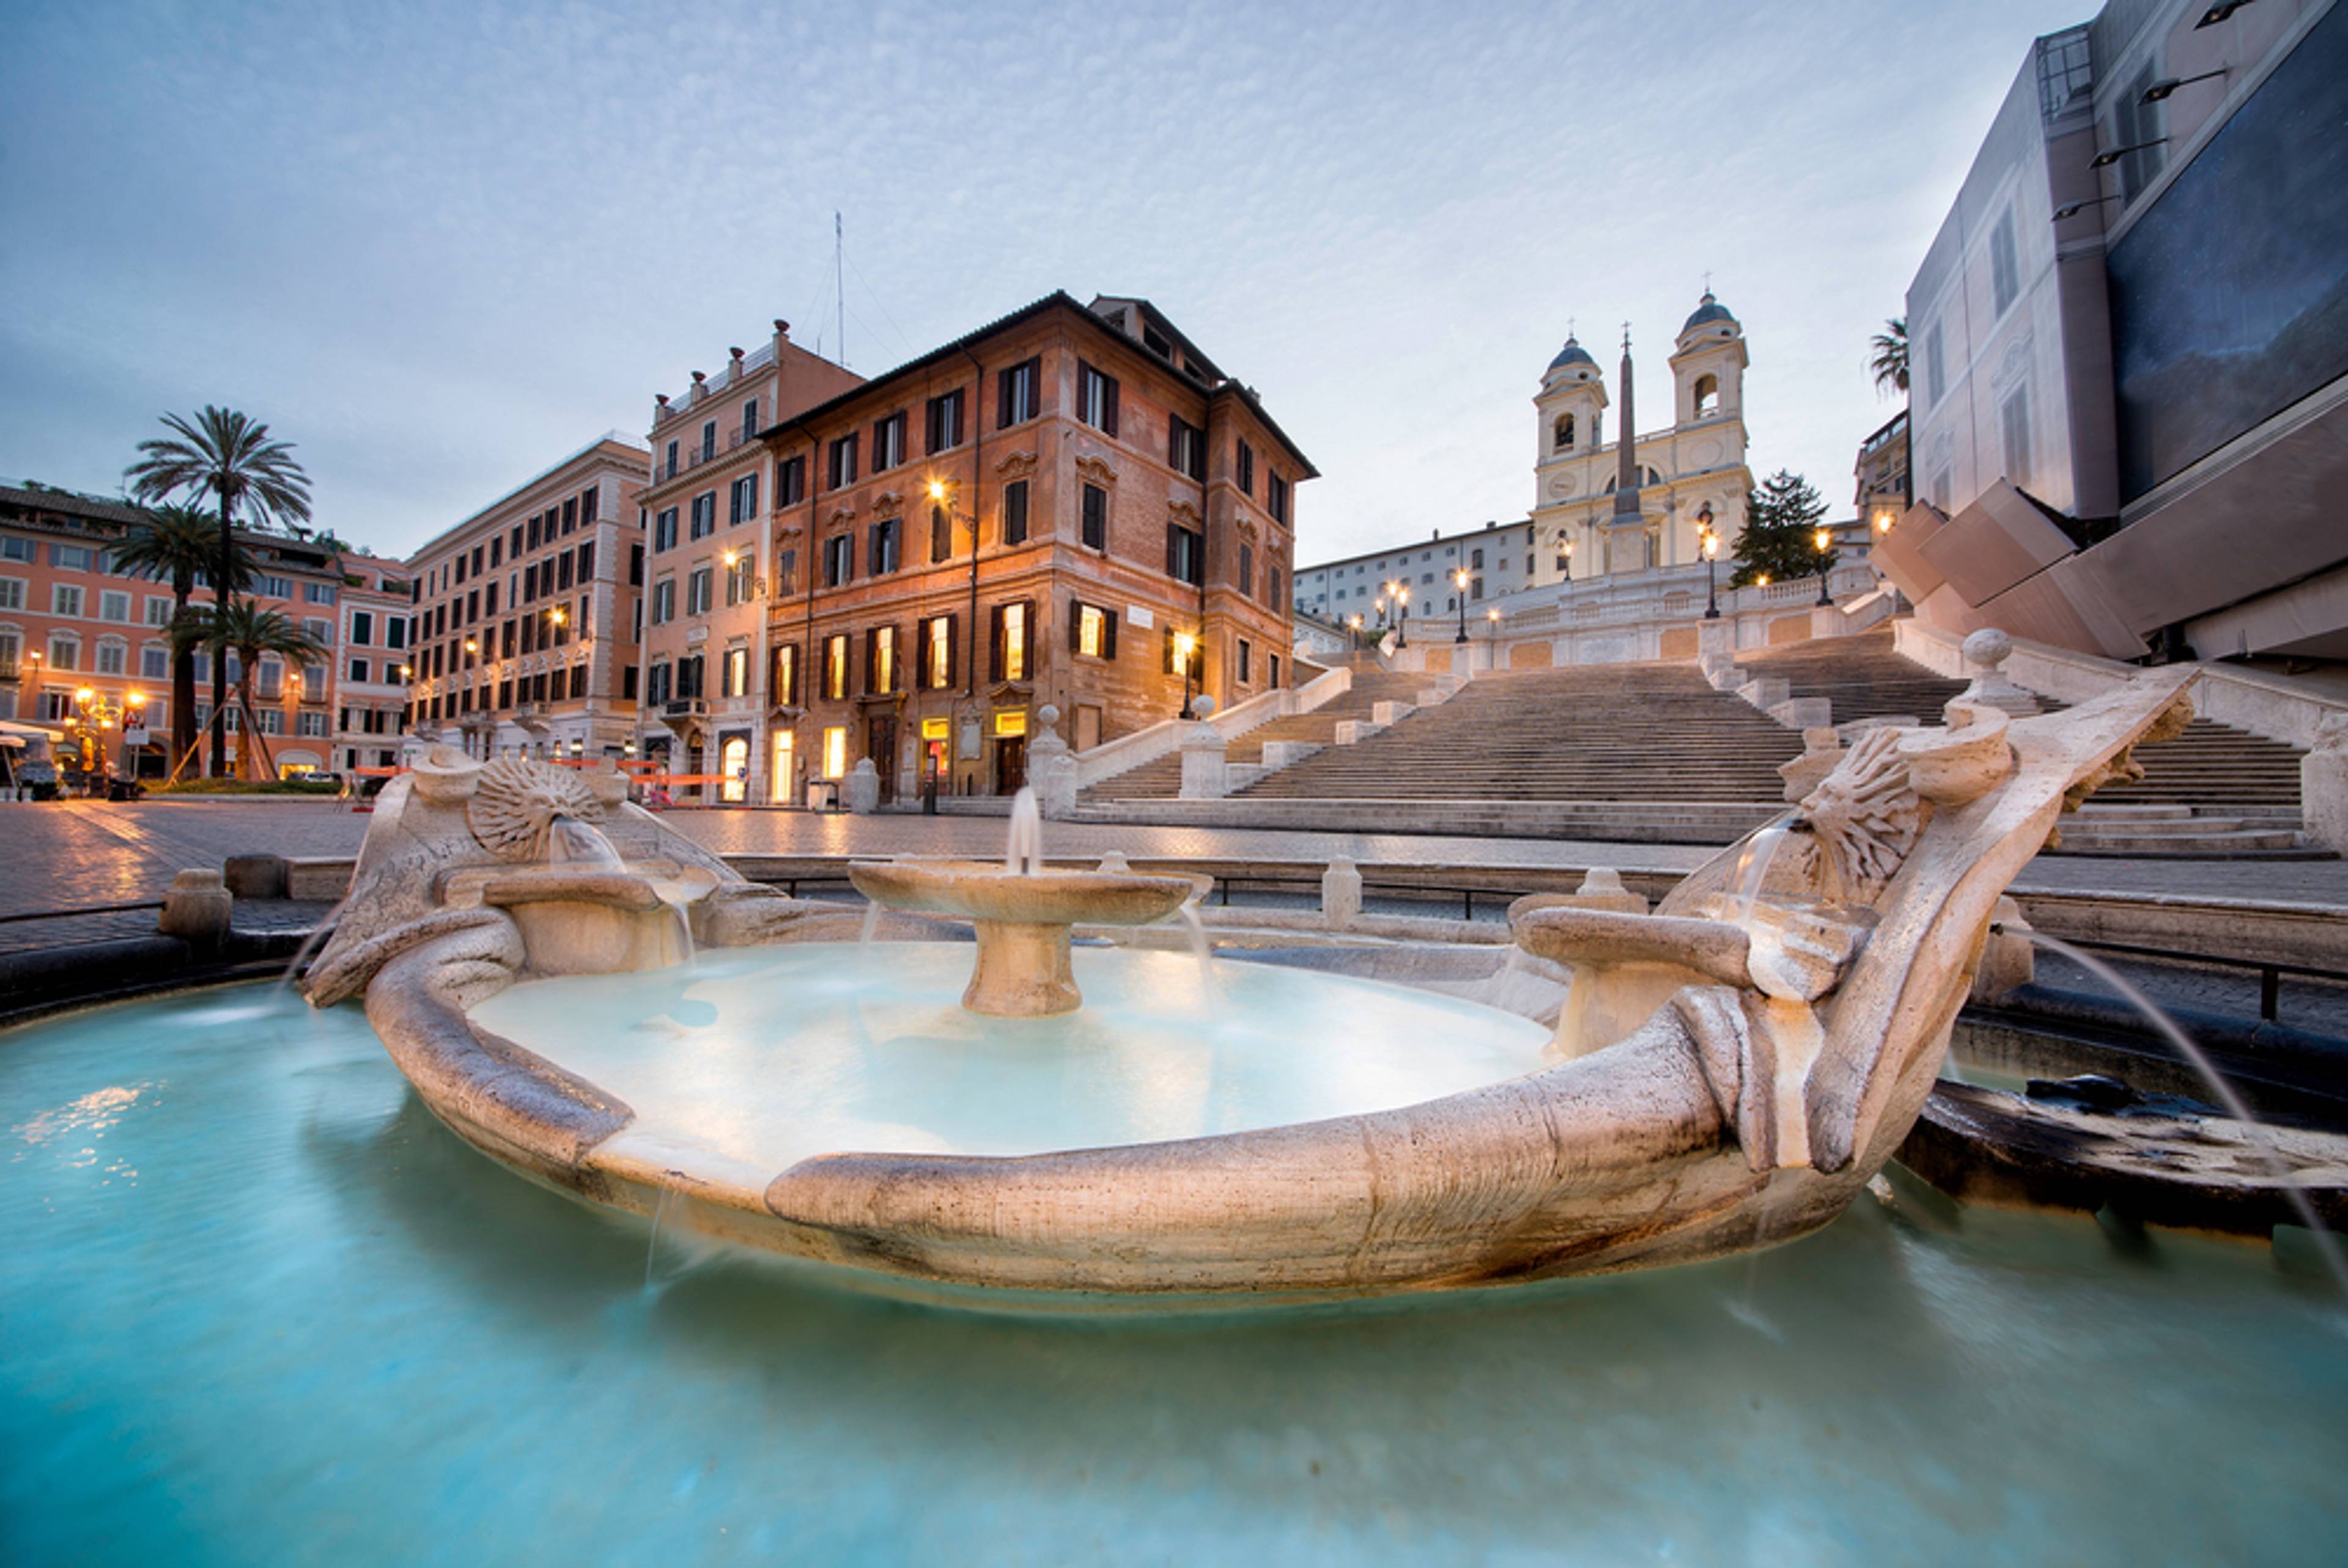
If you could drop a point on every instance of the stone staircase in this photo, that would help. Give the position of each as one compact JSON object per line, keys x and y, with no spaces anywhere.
{"x":1650,"y":750}
{"x":1161,"y":777}
{"x":2214,"y":790}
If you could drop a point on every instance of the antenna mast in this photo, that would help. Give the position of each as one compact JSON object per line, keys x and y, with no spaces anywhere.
{"x":839,"y":285}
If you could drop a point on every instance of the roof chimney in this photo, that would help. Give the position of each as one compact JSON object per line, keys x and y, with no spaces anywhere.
{"x":734,"y":351}
{"x":782,"y":328}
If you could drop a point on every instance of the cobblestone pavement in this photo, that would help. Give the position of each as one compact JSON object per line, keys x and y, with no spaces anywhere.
{"x":62,"y":854}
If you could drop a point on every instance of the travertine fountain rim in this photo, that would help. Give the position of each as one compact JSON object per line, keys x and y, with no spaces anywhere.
{"x":1676,"y":1141}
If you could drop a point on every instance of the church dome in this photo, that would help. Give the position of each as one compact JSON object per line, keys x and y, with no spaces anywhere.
{"x":1709,"y":309}
{"x":1572,"y":353}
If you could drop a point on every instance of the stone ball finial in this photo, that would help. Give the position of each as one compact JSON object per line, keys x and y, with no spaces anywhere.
{"x":1203,"y":706}
{"x":1988,"y":648}
{"x":1047,"y":715}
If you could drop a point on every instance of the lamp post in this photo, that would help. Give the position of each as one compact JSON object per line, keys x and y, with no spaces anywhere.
{"x":1492,"y":639}
{"x":1825,"y":542}
{"x":1184,"y":646}
{"x":1709,"y":543}
{"x":1459,"y":582}
{"x":1353,"y":624}
{"x":1565,"y":549}
{"x":1402,"y":612}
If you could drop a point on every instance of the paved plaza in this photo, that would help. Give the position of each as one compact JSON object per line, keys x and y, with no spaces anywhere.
{"x":62,"y":854}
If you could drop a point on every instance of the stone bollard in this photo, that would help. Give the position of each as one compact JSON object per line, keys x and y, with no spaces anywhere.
{"x":197,"y":908}
{"x":2008,"y":961}
{"x":1203,"y":774}
{"x":1602,"y":888}
{"x":2323,"y":785}
{"x":1114,"y":864}
{"x":1986,"y":651}
{"x":255,"y":876}
{"x":1341,"y":894}
{"x":1052,"y":767}
{"x":864,"y":787}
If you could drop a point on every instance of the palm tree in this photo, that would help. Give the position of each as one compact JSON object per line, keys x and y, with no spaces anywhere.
{"x":251,"y":633}
{"x":1890,"y":362}
{"x":224,"y":455}
{"x":175,"y":545}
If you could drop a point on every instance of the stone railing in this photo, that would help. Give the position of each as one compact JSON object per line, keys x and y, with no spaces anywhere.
{"x":1127,"y":752}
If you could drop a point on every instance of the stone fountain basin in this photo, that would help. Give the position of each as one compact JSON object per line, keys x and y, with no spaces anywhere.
{"x":983,"y":890}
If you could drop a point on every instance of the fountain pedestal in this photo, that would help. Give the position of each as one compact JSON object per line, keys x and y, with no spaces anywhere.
{"x":1022,"y":921}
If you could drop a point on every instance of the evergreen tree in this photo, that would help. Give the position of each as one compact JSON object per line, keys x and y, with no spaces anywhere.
{"x":1780,"y":538}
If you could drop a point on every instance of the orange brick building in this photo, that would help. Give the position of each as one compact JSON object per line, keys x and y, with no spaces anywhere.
{"x":1070,"y":505}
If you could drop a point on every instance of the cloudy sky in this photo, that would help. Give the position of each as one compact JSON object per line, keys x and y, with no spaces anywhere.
{"x":439,"y":246}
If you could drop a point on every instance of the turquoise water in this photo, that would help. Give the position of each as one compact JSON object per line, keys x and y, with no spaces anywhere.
{"x":259,"y":1307}
{"x":763,"y":1057}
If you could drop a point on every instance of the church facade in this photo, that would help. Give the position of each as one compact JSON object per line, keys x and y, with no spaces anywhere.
{"x":1601,"y":512}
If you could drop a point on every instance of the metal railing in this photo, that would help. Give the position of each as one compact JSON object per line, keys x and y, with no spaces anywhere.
{"x":2270,"y":971}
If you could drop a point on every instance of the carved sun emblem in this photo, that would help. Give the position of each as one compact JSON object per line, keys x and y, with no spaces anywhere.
{"x":518,"y":801}
{"x":1863,"y":819}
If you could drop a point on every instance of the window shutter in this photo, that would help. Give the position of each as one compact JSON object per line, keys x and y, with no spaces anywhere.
{"x":871,"y":659}
{"x":994,"y":643}
{"x":1030,"y":649}
{"x":1109,"y":634}
{"x":953,"y":648}
{"x":1075,"y":625}
{"x":1166,"y":639}
{"x":953,"y":434}
{"x":1173,"y":541}
{"x":1002,"y":399}
{"x":1108,"y":405}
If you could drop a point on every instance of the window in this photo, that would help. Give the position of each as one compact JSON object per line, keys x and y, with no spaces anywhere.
{"x":887,"y":442}
{"x":705,"y":515}
{"x":1010,"y":641}
{"x":1171,"y":644}
{"x":64,"y":599}
{"x":1275,"y":498}
{"x":358,"y":670}
{"x":742,"y":579}
{"x":835,"y":752}
{"x":708,"y":439}
{"x":940,"y":533}
{"x":12,"y":593}
{"x":1015,"y":512}
{"x":668,"y":466}
{"x":786,"y":572}
{"x":1092,"y":630}
{"x":1246,"y":654}
{"x":779,"y":778}
{"x":657,"y":685}
{"x":839,"y":559}
{"x":839,"y":462}
{"x":688,"y":676}
{"x":320,"y":631}
{"x":114,"y":606}
{"x":326,"y":593}
{"x":310,"y":722}
{"x":880,"y":659}
{"x":1095,"y":518}
{"x":2014,"y":427}
{"x":734,"y":674}
{"x":396,"y":629}
{"x":697,"y":589}
{"x":881,"y":556}
{"x":1186,"y":447}
{"x":155,"y":662}
{"x":159,"y":610}
{"x":1096,"y":398}
{"x":783,"y":675}
{"x":742,"y":500}
{"x":750,"y":419}
{"x":1476,"y":560}
{"x":790,"y":481}
{"x":1271,"y":670}
{"x":636,"y":566}
{"x":944,"y":423}
{"x":17,"y":549}
{"x":665,"y":601}
{"x":1246,"y":469}
{"x":664,"y":530}
{"x":1017,"y":393}
{"x":1562,"y":434}
{"x":113,"y":656}
{"x":1247,"y":569}
{"x":69,"y":558}
{"x":1186,"y":554}
{"x":938,"y":652}
{"x":362,"y":627}
{"x":2005,"y":267}
{"x":835,"y":667}
{"x":1476,"y":588}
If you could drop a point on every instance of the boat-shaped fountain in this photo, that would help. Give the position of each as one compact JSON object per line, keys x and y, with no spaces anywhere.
{"x":1633,"y":1090}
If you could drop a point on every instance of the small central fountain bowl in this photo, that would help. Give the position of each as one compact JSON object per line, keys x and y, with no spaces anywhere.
{"x":1022,"y":919}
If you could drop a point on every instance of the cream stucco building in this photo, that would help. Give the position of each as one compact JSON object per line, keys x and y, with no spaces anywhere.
{"x":1687,"y":474}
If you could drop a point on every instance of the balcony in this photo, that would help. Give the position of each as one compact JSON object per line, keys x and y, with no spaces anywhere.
{"x":684,"y":708}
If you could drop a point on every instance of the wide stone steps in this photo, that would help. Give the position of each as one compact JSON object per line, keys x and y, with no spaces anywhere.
{"x":1160,"y":778}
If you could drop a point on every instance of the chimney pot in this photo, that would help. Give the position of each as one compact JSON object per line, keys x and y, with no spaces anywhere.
{"x":698,"y":378}
{"x":661,"y":398}
{"x":782,"y":327}
{"x":734,"y":351}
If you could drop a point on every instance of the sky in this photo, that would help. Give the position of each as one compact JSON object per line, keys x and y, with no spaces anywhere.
{"x":440,"y":247}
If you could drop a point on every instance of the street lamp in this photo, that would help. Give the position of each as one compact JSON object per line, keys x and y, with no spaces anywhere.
{"x":1459,"y":582}
{"x":1823,"y":540}
{"x":1492,"y":639}
{"x":1353,"y":624}
{"x":1184,"y":646}
{"x":1565,"y":549}
{"x":1402,"y":612}
{"x":1709,"y":543}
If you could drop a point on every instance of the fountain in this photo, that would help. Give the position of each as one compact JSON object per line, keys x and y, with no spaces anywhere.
{"x":1752,"y":1051}
{"x":1020,"y":914}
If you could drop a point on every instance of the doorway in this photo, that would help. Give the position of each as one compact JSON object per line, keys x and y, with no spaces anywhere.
{"x":1088,"y":726}
{"x":880,"y":746}
{"x":1010,"y":764}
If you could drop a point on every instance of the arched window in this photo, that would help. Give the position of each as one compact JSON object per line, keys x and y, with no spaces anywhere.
{"x":1564,"y":433}
{"x":1707,"y":395}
